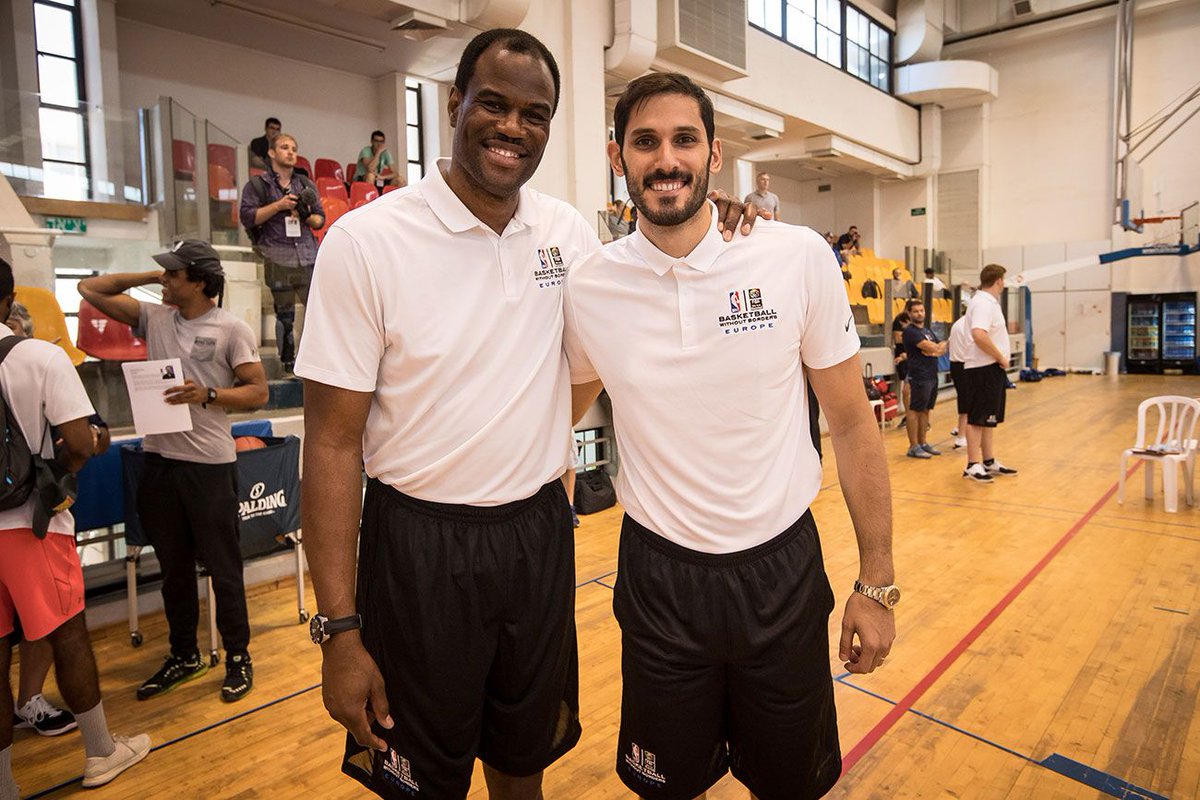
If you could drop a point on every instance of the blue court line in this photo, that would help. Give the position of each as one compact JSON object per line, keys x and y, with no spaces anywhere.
{"x":1172,"y":610}
{"x":596,"y":579}
{"x":1067,"y":767}
{"x":189,"y":735}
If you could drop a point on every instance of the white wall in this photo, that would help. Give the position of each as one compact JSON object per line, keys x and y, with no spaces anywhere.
{"x":331,"y":113}
{"x":851,"y":200}
{"x":896,"y":227}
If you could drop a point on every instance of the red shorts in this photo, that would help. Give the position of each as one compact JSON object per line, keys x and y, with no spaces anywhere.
{"x":41,"y":581}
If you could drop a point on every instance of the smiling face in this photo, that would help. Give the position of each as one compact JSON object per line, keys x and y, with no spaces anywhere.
{"x":666,"y":158}
{"x":502,"y":122}
{"x":177,"y":289}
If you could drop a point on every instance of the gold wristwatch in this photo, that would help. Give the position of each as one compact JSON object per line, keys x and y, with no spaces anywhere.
{"x":886,"y":596}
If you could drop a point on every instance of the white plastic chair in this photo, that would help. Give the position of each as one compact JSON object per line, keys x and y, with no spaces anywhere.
{"x":1173,"y":445}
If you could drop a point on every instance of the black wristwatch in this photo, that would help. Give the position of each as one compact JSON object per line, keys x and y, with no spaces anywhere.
{"x":321,"y":627}
{"x":211,"y":397}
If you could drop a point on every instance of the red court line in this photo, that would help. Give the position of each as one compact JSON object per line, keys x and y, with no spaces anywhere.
{"x":901,"y":708}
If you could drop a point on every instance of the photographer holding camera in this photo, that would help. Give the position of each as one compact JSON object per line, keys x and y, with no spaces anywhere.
{"x":279,"y":211}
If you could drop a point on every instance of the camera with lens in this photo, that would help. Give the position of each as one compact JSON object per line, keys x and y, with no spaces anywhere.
{"x":306,"y":203}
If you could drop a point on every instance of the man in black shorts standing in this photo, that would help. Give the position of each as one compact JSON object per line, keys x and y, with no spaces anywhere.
{"x":984,"y":374}
{"x":721,"y":592}
{"x":922,"y":349}
{"x":460,"y":413}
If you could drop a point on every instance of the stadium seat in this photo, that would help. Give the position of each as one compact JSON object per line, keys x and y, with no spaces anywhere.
{"x":391,"y":187}
{"x":223,"y":155}
{"x":302,"y":163}
{"x":362,"y":193}
{"x":223,"y":192}
{"x":102,"y":337}
{"x":332,"y":187}
{"x":351,"y":168}
{"x":183,"y":159}
{"x":874,"y":310}
{"x":255,"y":171}
{"x":328,"y":168}
{"x":49,"y":322}
{"x":334,"y":208}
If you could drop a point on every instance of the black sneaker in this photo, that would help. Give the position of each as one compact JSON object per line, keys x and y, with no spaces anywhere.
{"x":41,"y":716}
{"x":239,"y":677}
{"x":978,"y":473}
{"x":175,"y":670}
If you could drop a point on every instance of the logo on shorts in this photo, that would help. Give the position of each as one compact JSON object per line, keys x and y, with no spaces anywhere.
{"x":747,"y":313}
{"x":644,"y":764}
{"x":992,"y":419}
{"x":551,"y":269}
{"x":398,"y":770}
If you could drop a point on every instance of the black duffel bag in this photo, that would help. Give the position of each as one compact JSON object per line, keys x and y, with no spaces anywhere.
{"x":594,"y":492}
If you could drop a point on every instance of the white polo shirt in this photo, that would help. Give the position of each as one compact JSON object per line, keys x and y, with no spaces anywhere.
{"x":702,"y":357}
{"x":984,"y":312}
{"x":42,"y":388}
{"x":960,"y":341}
{"x":457,"y":331}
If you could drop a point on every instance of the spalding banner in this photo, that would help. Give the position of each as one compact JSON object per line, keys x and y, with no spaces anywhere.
{"x":268,"y":494}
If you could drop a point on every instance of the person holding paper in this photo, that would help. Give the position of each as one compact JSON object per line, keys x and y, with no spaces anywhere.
{"x":187,"y":499}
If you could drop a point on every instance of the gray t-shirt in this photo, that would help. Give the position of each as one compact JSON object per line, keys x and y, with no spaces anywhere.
{"x":209,"y":347}
{"x":767,"y":202}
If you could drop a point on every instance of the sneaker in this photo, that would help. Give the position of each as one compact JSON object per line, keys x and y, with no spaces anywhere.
{"x":996,"y":468}
{"x":175,"y":670}
{"x":239,"y":677}
{"x":129,"y":751}
{"x":977,"y":473}
{"x":954,"y":431}
{"x":933,"y":451}
{"x":960,"y":442}
{"x":574,"y":516}
{"x":43,"y":717}
{"x":916,"y":452}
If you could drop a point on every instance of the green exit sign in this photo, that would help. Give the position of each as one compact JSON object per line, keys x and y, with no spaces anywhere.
{"x":918,"y":212}
{"x":67,"y":224}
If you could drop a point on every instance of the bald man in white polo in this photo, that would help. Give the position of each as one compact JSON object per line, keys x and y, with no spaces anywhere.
{"x":721,"y":593}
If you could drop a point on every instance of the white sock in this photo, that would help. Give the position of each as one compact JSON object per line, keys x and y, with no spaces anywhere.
{"x":8,"y":787}
{"x":97,"y":741}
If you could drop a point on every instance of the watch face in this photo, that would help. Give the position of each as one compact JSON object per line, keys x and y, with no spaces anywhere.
{"x":892,"y":597}
{"x":316,"y":629}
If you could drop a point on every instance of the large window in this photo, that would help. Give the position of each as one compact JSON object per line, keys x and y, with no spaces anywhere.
{"x":833,"y":31}
{"x":415,"y":131}
{"x":62,"y":115}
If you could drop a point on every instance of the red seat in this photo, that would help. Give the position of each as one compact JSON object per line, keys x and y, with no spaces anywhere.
{"x":332,"y":187}
{"x":391,"y":187}
{"x":183,"y":158}
{"x":223,"y":191}
{"x":302,"y":163}
{"x":223,"y":155}
{"x":102,"y":337}
{"x":351,"y":168}
{"x":328,"y":168}
{"x":362,"y":193}
{"x":334,"y":208}
{"x":255,"y":172}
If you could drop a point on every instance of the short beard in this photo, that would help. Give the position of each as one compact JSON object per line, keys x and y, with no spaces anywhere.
{"x":672,"y":215}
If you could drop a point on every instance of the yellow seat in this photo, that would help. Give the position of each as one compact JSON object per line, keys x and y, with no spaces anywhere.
{"x":867,"y":252}
{"x":874,"y":310}
{"x":49,"y":323}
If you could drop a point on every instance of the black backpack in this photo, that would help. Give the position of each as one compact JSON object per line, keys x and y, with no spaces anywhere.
{"x":870,"y":289}
{"x":17,"y":471}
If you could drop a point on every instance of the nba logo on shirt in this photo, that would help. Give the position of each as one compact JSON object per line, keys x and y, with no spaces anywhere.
{"x":543,"y":259}
{"x":735,"y":302}
{"x":755,"y":299}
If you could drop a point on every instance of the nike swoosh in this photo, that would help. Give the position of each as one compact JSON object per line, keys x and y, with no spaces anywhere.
{"x":848,"y":324}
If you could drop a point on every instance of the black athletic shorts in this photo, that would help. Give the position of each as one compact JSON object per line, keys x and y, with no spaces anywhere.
{"x":469,"y":613}
{"x":922,"y":395}
{"x":986,"y":395}
{"x":960,"y":389}
{"x":725,"y":666}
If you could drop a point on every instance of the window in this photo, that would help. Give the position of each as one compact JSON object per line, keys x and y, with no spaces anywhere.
{"x":833,"y":31}
{"x":415,"y":131}
{"x":62,"y":115}
{"x":66,"y":291}
{"x":868,"y":46}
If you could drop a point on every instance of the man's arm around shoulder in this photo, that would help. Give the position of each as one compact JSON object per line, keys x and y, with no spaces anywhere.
{"x":862,"y":472}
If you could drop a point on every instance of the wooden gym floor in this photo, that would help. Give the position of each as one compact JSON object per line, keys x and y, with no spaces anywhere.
{"x":1047,"y":647}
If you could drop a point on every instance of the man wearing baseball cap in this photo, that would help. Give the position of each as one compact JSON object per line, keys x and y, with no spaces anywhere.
{"x":187,"y":498}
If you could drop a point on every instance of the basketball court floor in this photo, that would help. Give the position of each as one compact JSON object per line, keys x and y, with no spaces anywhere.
{"x":1048,"y":642}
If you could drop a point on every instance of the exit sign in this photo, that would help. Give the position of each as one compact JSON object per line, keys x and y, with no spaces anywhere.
{"x":918,"y":212}
{"x":67,"y":224}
